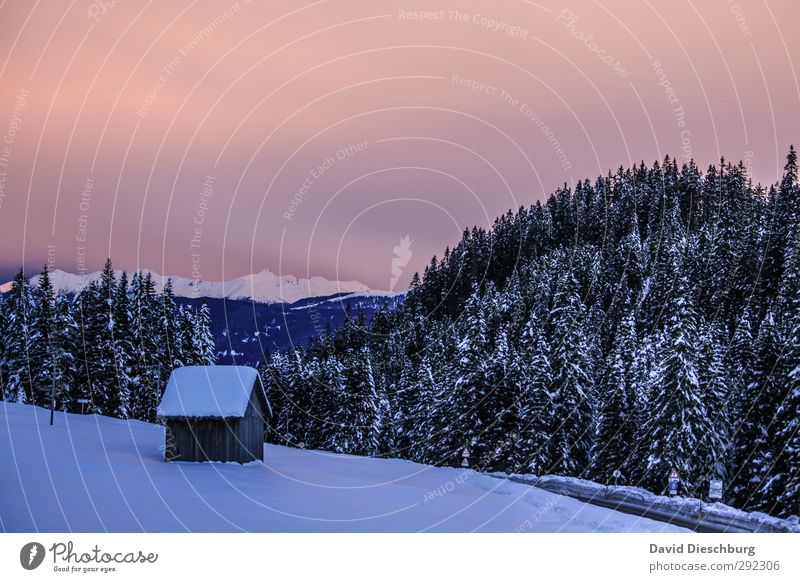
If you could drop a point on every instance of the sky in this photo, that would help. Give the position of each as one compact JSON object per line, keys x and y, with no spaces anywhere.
{"x":355,"y":140}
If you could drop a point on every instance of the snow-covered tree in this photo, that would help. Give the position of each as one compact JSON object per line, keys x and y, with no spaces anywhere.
{"x":572,"y":383}
{"x":680,"y":417}
{"x":461,"y":411}
{"x":148,"y":360}
{"x":755,"y":430}
{"x":714,"y":450}
{"x":616,"y":418}
{"x":205,"y":347}
{"x":535,"y":404}
{"x":16,"y":358}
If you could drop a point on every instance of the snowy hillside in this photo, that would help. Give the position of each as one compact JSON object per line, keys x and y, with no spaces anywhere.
{"x":263,"y":287}
{"x":244,"y":329}
{"x":92,"y":473}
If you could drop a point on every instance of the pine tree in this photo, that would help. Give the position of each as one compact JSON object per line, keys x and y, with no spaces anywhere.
{"x":714,"y":450}
{"x":332,"y":407}
{"x":16,"y":359}
{"x":41,"y":340}
{"x":783,"y":220}
{"x":3,"y":349}
{"x":572,"y":384}
{"x":148,"y":356}
{"x":646,"y":372}
{"x":755,"y":430}
{"x":123,"y":349}
{"x":740,"y":359}
{"x":404,"y":399}
{"x":535,"y":405}
{"x":503,"y":426}
{"x":297,"y":399}
{"x":205,"y":347}
{"x":62,"y":355}
{"x":783,"y":491}
{"x":185,"y":344}
{"x":359,"y":406}
{"x":97,"y":357}
{"x":680,"y":418}
{"x":616,"y":423}
{"x":53,"y":346}
{"x":462,"y":411}
{"x":170,"y":354}
{"x":274,"y":375}
{"x":779,"y":492}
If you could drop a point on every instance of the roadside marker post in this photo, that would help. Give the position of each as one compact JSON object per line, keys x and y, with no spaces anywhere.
{"x":674,"y":480}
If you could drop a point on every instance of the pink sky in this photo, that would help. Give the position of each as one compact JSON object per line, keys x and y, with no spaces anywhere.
{"x":215,"y":139}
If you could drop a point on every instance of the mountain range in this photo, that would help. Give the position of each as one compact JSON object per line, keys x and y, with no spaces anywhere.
{"x":259,"y":312}
{"x":263,"y":287}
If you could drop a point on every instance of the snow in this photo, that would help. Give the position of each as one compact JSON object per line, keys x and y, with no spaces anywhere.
{"x":217,"y":391}
{"x":263,"y":287}
{"x":692,"y":509}
{"x":93,"y":473}
{"x":344,"y":299}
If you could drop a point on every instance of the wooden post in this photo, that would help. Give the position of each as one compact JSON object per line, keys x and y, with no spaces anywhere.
{"x":53,"y":394}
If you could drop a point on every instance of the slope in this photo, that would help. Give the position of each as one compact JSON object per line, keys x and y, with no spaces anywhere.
{"x":93,"y":473}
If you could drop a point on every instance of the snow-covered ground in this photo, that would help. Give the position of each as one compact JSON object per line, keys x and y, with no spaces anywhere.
{"x":93,"y":473}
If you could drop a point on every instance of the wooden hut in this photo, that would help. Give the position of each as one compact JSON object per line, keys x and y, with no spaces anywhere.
{"x":214,"y":413}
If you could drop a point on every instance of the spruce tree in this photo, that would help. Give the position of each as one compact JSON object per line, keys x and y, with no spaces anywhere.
{"x":42,"y":340}
{"x":359,"y":406}
{"x":680,"y":418}
{"x":462,"y":411}
{"x":148,"y":357}
{"x":332,"y":407}
{"x":535,"y":405}
{"x":714,"y":451}
{"x":502,"y":430}
{"x":572,"y":383}
{"x":646,"y":372}
{"x":62,"y":359}
{"x":3,"y":349}
{"x":123,"y":348}
{"x":616,"y":422}
{"x":185,"y":344}
{"x":755,"y":430}
{"x":16,"y":358}
{"x":205,"y":348}
{"x":778,"y":492}
{"x":97,"y":355}
{"x":782,"y":492}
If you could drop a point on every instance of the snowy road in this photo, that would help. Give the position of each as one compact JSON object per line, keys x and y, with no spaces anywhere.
{"x":91,"y":473}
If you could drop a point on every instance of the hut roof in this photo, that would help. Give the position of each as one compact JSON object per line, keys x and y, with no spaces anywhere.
{"x":210,"y":391}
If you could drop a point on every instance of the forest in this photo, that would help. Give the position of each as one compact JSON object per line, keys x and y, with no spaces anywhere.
{"x":113,"y":345}
{"x":643,"y":322}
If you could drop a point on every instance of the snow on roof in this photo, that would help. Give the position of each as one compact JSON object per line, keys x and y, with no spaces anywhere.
{"x":216,"y":391}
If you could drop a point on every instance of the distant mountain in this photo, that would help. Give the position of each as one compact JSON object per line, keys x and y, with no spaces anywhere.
{"x":263,"y":287}
{"x":245,"y":329}
{"x":261,"y":312}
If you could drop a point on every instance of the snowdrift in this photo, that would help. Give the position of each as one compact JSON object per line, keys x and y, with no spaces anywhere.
{"x":687,"y":512}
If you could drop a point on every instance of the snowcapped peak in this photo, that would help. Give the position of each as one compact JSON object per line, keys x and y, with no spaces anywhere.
{"x":262,"y":287}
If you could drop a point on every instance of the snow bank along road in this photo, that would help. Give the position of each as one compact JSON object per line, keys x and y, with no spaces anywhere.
{"x":93,"y":473}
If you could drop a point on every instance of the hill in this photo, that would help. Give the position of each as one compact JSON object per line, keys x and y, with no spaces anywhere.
{"x":94,"y":473}
{"x":243,"y":329}
{"x":642,"y":324}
